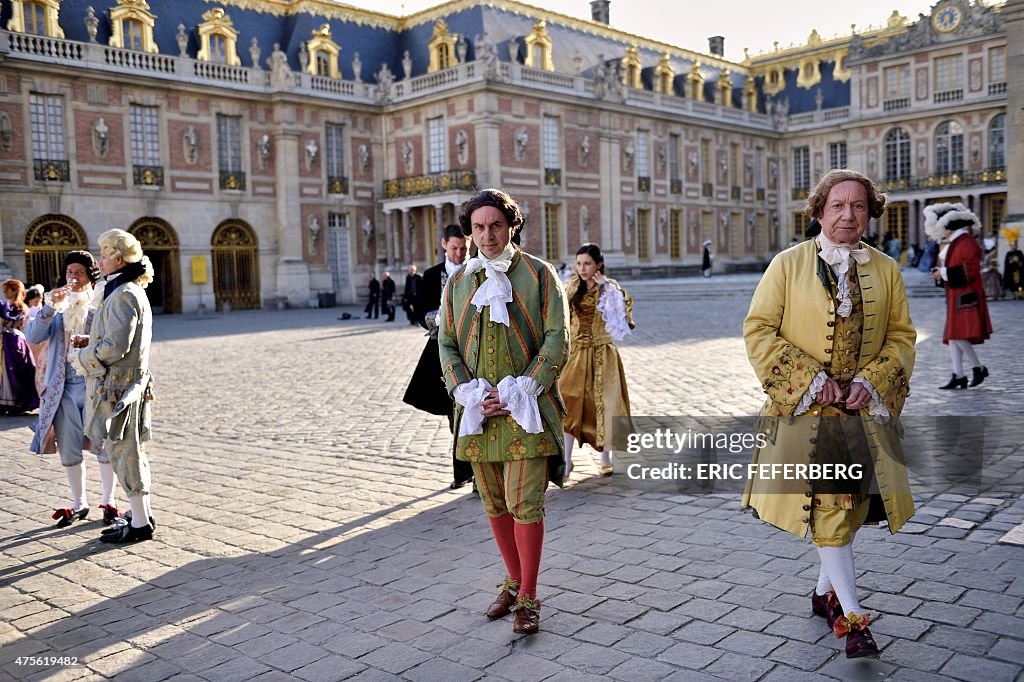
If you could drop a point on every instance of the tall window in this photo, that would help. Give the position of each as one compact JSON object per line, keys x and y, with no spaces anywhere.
{"x":47,"y":112}
{"x":801,"y":168}
{"x":549,"y":141}
{"x":949,"y":147}
{"x":229,"y":151}
{"x":218,"y":49}
{"x":132,"y":32}
{"x":145,"y":135}
{"x":997,"y":65}
{"x":997,"y":142}
{"x":643,"y":169}
{"x":444,"y":56}
{"x":35,"y":18}
{"x":436,"y":144}
{"x":552,"y":246}
{"x":643,"y":236}
{"x":948,"y":73}
{"x":799,"y":224}
{"x":334,"y":153}
{"x":897,"y":219}
{"x":897,"y":82}
{"x":675,"y":234}
{"x":837,"y":154}
{"x":323,"y":64}
{"x":673,"y":157}
{"x":897,"y":155}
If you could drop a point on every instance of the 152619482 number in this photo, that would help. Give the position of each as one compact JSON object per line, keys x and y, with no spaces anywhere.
{"x":46,"y":660}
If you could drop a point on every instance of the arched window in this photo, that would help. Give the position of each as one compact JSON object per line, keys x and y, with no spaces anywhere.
{"x":323,"y":53}
{"x":236,"y":266}
{"x":441,"y":47}
{"x":217,"y":39}
{"x":538,"y":48}
{"x":631,"y":68}
{"x":47,"y":240}
{"x":38,"y":17}
{"x":997,"y":142}
{"x":949,"y":148}
{"x":132,"y":25}
{"x":897,"y":155}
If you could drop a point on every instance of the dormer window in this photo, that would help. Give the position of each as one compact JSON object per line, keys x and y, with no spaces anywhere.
{"x":631,"y":68}
{"x":323,"y":53}
{"x":217,"y":39}
{"x":774,"y":81}
{"x":809,"y":74}
{"x":695,"y":83}
{"x":725,"y":88}
{"x":37,"y":17}
{"x":663,"y":76}
{"x":132,"y":25}
{"x":442,"y":48}
{"x":538,"y":48}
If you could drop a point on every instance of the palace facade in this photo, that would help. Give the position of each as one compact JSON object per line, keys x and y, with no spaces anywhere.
{"x":272,"y":153}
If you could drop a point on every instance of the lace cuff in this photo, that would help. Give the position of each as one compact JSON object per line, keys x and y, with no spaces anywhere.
{"x":612,"y":306}
{"x":876,"y":408}
{"x":471,"y":396}
{"x":520,"y":396}
{"x":812,"y":391}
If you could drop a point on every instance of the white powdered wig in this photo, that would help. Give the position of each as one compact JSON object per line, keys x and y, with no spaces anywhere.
{"x":938,"y":217}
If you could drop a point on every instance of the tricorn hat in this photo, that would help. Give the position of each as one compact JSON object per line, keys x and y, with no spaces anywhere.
{"x":939,"y":218}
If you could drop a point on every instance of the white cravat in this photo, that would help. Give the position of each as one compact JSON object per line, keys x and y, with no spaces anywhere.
{"x":838,"y":258}
{"x":450,"y":267}
{"x":496,"y":291}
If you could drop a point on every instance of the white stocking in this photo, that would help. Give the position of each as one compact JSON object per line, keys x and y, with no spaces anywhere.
{"x":76,"y":479}
{"x":107,"y":479}
{"x":837,"y":562}
{"x":824,"y":584}
{"x":570,"y":442}
{"x":956,"y":354}
{"x":967,"y":349}
{"x":147,"y":501}
{"x":139,"y":516}
{"x":606,"y":457}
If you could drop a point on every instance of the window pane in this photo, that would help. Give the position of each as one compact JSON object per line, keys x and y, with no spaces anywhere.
{"x":335,"y":150}
{"x":550,"y":142}
{"x":642,"y":169}
{"x":229,"y":143}
{"x":436,"y":144}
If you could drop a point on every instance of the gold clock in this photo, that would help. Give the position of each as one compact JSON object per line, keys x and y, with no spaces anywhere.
{"x":947,"y":18}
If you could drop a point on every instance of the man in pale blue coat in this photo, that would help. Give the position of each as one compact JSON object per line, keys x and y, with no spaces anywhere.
{"x":61,"y":424}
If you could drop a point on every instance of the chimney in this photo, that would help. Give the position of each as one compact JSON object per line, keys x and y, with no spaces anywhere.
{"x":599,"y":11}
{"x":716,"y":46}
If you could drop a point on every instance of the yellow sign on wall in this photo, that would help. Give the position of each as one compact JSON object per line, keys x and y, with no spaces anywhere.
{"x":198,"y":269}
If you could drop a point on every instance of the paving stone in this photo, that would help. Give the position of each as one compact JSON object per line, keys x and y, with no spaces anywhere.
{"x":961,"y":640}
{"x":947,"y":613}
{"x":963,"y":667}
{"x":900,"y":626}
{"x":640,"y":670}
{"x":395,"y":658}
{"x":752,"y":643}
{"x":991,"y":601}
{"x":934,"y":591}
{"x":800,"y":655}
{"x":688,"y":655}
{"x":916,"y":655}
{"x":439,"y":669}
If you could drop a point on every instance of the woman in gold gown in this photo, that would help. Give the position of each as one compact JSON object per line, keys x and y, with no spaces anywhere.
{"x":593,"y":384}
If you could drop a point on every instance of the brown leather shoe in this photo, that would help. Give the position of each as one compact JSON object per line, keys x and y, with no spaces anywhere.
{"x":827,"y":606}
{"x":502,"y":604}
{"x":527,"y":616}
{"x":859,"y":642}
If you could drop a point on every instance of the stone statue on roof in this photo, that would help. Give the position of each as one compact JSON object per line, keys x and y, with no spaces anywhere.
{"x":280,"y":71}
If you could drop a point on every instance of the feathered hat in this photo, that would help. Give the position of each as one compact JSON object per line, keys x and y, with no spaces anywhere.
{"x":1012,"y":234}
{"x":940,"y":218}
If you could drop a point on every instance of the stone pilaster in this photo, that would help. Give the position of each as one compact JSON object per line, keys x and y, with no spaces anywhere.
{"x":292,"y":270}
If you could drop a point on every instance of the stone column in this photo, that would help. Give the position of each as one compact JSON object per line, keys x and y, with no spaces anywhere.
{"x":292,"y":270}
{"x":406,"y":239}
{"x":1013,"y":10}
{"x":389,"y":237}
{"x":438,"y":232}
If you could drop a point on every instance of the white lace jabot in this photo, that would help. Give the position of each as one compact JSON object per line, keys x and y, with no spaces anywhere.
{"x":496,"y":291}
{"x":838,"y":258}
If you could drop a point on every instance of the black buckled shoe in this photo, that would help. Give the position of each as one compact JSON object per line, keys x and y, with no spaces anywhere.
{"x":980,"y":373}
{"x":954,"y":382}
{"x":127,"y":534}
{"x":123,"y":521}
{"x":65,"y":517}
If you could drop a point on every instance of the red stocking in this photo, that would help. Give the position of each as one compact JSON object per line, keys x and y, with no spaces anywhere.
{"x":530,"y":542}
{"x":503,"y":528}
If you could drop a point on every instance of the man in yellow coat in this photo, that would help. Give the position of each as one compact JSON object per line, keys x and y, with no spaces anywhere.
{"x":829,"y":336}
{"x":502,"y":341}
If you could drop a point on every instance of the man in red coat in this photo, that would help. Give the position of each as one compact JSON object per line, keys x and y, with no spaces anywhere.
{"x":967,"y":319}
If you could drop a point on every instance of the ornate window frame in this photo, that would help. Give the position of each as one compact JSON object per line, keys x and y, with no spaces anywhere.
{"x":217,"y":23}
{"x":50,"y":7}
{"x":132,"y":10}
{"x":440,"y":42}
{"x":840,"y":72}
{"x":774,"y":80}
{"x":725,"y":88}
{"x":322,"y":42}
{"x":631,"y":68}
{"x":539,"y":39}
{"x":695,"y":83}
{"x":750,"y":88}
{"x":664,"y":76}
{"x":808,"y":78}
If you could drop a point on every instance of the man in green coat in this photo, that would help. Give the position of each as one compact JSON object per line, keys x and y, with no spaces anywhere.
{"x":502,"y":340}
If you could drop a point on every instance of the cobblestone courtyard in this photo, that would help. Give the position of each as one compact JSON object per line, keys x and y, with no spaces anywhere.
{"x":306,"y":530}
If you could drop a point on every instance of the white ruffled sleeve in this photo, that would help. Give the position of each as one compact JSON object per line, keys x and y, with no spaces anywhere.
{"x":471,"y":396}
{"x":812,"y":391}
{"x":876,"y":408}
{"x":520,"y":397}
{"x":612,"y":306}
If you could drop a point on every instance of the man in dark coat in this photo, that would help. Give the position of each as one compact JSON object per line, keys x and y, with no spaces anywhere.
{"x":426,"y":390}
{"x":410,"y":295}
{"x":373,"y":305}
{"x":387,"y":293}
